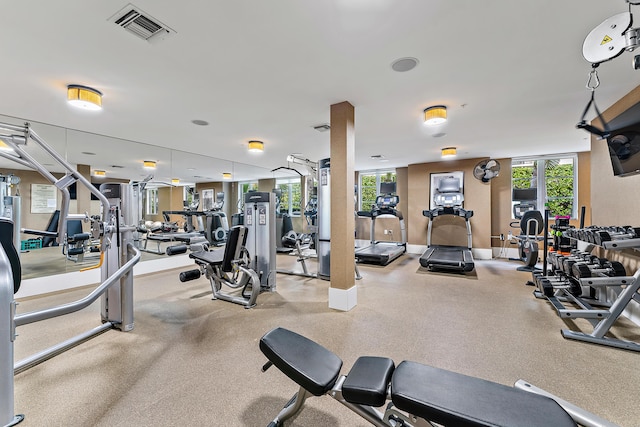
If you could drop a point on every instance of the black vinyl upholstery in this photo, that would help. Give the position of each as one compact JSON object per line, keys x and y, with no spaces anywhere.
{"x":368,"y":380}
{"x":309,"y":364}
{"x":52,"y":226}
{"x":453,"y":399}
{"x":6,"y":238}
{"x":236,"y":240}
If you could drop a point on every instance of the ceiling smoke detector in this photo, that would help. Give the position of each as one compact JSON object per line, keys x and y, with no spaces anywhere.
{"x":141,"y":24}
{"x":322,"y":128}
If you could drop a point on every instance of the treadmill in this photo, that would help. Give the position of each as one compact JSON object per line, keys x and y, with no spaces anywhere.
{"x":382,"y":253}
{"x":448,"y":199}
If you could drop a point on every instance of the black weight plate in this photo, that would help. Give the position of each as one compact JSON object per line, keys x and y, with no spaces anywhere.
{"x":618,"y":269}
{"x":547,"y":287}
{"x":580,"y":271}
{"x":575,"y":289}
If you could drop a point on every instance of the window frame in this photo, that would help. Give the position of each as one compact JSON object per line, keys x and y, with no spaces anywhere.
{"x":290,"y":182}
{"x":542,"y":179}
{"x":251,"y":185}
{"x":151,"y":202}
{"x":379,"y":174}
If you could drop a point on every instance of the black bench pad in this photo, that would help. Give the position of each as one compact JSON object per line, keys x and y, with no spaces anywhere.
{"x":367,"y":381}
{"x":309,"y":364}
{"x":450,"y":398}
{"x":213,"y":258}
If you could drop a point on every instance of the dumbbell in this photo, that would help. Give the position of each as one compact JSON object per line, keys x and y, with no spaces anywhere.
{"x":568,"y":262}
{"x":547,"y":285}
{"x":619,"y":233}
{"x":605,"y":268}
{"x":563,"y":263}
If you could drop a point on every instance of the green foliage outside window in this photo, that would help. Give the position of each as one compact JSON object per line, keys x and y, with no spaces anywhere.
{"x":559,"y":179}
{"x":368,"y":191}
{"x":369,"y":186}
{"x":558,"y":182}
{"x":291,"y":199}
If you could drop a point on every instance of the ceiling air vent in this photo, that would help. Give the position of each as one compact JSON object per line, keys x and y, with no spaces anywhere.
{"x":141,"y":24}
{"x":322,"y":128}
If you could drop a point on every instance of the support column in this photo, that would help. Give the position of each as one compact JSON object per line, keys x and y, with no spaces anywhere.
{"x":343,"y":292}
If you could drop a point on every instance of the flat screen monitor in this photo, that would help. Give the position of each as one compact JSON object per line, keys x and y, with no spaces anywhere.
{"x":524,"y":194}
{"x":387,"y":187}
{"x":624,"y":151}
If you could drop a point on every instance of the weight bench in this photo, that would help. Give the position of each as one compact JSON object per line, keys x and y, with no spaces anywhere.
{"x":420,"y":395}
{"x":228,"y":268}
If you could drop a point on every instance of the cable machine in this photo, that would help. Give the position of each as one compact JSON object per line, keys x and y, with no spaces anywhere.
{"x":118,"y":255}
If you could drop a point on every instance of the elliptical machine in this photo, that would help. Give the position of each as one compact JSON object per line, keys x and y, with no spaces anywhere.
{"x":530,"y":223}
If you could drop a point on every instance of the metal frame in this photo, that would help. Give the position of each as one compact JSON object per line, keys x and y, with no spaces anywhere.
{"x":579,"y":415}
{"x":603,"y":318}
{"x":388,"y":418}
{"x":116,"y":289}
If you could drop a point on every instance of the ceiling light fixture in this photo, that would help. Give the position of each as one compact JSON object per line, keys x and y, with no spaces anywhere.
{"x":448,"y":152}
{"x":435,"y":115}
{"x":84,"y":97}
{"x":175,"y":181}
{"x":256,"y":146}
{"x":149,"y":164}
{"x":99,"y":173}
{"x":226,"y":175}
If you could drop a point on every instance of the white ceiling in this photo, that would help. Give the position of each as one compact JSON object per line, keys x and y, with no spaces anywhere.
{"x":510,"y":72}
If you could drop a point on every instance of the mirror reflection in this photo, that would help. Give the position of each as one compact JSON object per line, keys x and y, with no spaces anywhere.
{"x":182,"y":192}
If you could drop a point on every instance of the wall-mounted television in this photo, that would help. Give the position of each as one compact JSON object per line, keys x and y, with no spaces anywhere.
{"x":624,"y":142}
{"x":524,"y":194}
{"x":387,"y":188}
{"x":624,"y":150}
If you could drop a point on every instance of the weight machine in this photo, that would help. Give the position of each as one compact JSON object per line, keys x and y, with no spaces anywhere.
{"x":114,"y":229}
{"x":248,"y":261}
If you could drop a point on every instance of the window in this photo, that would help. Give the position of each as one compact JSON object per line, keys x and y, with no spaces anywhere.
{"x":151,"y":201}
{"x":369,"y":187}
{"x":245,"y":187}
{"x":556,"y":179}
{"x":291,"y":198}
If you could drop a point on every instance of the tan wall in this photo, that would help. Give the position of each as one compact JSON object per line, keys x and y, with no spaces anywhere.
{"x":615,"y":199}
{"x":477,"y":198}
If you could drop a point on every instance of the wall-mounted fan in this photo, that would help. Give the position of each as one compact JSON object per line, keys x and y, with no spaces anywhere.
{"x":486,"y":170}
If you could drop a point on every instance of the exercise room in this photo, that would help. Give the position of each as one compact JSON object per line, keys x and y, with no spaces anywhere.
{"x":335,"y":213}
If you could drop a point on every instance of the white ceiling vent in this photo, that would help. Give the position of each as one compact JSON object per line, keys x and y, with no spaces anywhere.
{"x":141,"y":24}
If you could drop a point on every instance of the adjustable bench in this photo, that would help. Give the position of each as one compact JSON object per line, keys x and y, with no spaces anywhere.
{"x":419,"y":394}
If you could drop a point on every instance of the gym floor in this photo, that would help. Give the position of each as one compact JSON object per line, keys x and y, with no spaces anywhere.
{"x":193,"y":361}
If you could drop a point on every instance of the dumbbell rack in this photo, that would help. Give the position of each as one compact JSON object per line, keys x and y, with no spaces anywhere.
{"x":602,"y":319}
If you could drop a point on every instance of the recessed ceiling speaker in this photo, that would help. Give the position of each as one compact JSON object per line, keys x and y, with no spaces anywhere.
{"x":404,"y":64}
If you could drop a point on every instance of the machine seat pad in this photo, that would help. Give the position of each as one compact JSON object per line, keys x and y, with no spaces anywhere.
{"x":449,"y":398}
{"x":213,"y":257}
{"x":367,"y":381}
{"x":309,"y":364}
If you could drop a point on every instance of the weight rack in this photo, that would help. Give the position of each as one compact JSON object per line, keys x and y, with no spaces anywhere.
{"x":603,"y":317}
